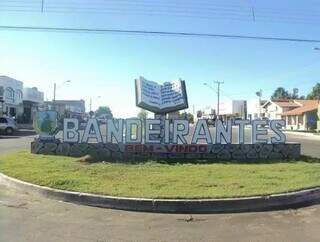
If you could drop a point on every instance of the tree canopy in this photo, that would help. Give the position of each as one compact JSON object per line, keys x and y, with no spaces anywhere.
{"x":280,"y":93}
{"x":104,"y":111}
{"x":315,"y":92}
{"x":143,"y":114}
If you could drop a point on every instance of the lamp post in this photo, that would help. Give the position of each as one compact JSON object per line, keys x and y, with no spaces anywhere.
{"x":55,"y":91}
{"x":91,"y":102}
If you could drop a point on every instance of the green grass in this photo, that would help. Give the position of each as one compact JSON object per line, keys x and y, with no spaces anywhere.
{"x":161,"y":180}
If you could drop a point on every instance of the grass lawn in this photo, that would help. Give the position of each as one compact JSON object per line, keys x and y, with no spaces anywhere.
{"x":161,"y":180}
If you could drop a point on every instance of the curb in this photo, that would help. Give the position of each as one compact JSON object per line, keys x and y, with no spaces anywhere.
{"x":197,"y":206}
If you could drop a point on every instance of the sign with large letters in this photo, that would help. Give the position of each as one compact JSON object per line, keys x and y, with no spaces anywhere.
{"x":147,"y":132}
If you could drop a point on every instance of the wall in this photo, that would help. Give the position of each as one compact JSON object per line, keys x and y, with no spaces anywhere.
{"x":214,"y":152}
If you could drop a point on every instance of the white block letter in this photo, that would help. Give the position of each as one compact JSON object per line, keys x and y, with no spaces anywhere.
{"x":153,"y":129}
{"x":256,"y":131}
{"x":276,"y":126}
{"x":130,"y":123}
{"x":241,"y":124}
{"x":92,"y":131}
{"x":180,"y":129}
{"x":224,"y":132}
{"x":70,"y":130}
{"x":202,"y":132}
{"x":113,"y":131}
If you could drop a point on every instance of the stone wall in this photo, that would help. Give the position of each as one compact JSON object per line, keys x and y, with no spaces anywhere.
{"x":212,"y":152}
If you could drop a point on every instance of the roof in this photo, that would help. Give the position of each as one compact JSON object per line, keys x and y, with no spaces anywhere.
{"x":283,"y":103}
{"x":307,"y":106}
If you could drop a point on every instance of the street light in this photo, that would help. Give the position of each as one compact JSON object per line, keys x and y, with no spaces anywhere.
{"x":55,"y":88}
{"x":91,"y":102}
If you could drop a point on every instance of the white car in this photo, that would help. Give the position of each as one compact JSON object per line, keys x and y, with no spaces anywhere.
{"x":8,"y":125}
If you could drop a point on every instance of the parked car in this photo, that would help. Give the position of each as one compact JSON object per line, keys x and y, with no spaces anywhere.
{"x":8,"y":125}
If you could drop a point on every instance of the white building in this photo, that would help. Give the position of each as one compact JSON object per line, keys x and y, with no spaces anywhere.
{"x":32,"y":99}
{"x":11,"y":95}
{"x":256,"y":109}
{"x":233,"y":108}
{"x":273,"y":109}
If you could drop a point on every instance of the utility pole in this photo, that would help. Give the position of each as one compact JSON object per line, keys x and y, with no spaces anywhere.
{"x":54,"y":91}
{"x":259,"y":94}
{"x":218,"y":104}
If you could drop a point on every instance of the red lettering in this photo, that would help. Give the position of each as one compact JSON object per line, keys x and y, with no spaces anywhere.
{"x":169,"y":148}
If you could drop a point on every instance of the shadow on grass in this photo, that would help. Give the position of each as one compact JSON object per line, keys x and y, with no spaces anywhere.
{"x":178,"y":161}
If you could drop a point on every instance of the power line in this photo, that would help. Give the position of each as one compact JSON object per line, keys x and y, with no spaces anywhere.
{"x":147,"y":32}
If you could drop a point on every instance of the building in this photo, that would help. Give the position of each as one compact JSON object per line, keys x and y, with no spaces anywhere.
{"x":11,"y":96}
{"x":255,"y":108}
{"x":304,"y":117}
{"x":274,"y":109}
{"x":67,"y":108}
{"x":32,"y":101}
{"x":233,"y":109}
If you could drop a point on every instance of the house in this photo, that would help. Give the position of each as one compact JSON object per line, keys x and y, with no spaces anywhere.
{"x":11,"y":94}
{"x":67,"y":108}
{"x":304,"y":117}
{"x":274,"y":109}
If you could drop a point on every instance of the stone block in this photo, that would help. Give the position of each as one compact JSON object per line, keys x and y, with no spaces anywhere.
{"x":36,"y":146}
{"x":224,"y":155}
{"x":50,"y":147}
{"x":209,"y":156}
{"x":159,"y":156}
{"x":258,"y":147}
{"x":238,"y":155}
{"x":216,"y":148}
{"x":112,"y":147}
{"x":104,"y":154}
{"x":265,"y":151}
{"x":245,"y":148}
{"x":175,"y":155}
{"x":63,"y":149}
{"x":252,"y":154}
{"x":75,"y":151}
{"x":116,"y":155}
{"x":276,"y":156}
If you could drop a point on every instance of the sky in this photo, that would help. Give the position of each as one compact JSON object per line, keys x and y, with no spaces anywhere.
{"x":106,"y":65}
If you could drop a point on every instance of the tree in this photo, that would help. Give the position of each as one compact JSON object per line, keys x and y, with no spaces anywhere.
{"x":104,"y":111}
{"x":188,"y":116}
{"x":295,"y":93}
{"x":315,"y":93}
{"x":280,"y":93}
{"x":143,"y":114}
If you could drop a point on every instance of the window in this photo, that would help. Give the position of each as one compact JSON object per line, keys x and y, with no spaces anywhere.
{"x":3,"y":121}
{"x":19,"y":94}
{"x":300,"y":119}
{"x":9,"y":94}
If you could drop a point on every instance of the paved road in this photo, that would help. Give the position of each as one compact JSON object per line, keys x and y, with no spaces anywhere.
{"x":20,"y":141}
{"x":24,"y":217}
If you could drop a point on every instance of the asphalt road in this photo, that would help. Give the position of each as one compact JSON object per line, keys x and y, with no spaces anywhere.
{"x":24,"y":217}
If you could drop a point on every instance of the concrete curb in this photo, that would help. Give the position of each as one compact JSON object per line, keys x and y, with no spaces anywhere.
{"x":249,"y":204}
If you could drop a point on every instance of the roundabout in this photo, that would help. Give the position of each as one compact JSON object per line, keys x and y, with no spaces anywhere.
{"x":167,"y":187}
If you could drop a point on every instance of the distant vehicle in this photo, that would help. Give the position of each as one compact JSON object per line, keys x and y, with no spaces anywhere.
{"x":8,"y":125}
